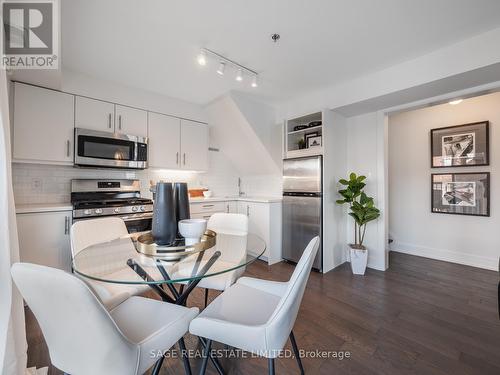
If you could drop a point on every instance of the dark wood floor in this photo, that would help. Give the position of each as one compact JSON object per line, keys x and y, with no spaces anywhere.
{"x":420,"y":317}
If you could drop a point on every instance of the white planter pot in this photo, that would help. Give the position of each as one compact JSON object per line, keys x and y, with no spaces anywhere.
{"x":359,"y":259}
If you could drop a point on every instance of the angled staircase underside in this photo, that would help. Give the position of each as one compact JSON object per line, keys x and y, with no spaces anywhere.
{"x":245,"y":131}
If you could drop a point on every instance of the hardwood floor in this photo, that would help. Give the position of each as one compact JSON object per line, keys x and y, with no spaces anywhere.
{"x":419,"y":317}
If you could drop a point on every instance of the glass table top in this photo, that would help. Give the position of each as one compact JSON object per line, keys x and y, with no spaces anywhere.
{"x":118,"y":261}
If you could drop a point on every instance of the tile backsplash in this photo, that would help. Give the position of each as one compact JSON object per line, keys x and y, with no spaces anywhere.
{"x":37,"y":183}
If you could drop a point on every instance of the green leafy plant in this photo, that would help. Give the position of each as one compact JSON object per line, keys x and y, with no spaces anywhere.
{"x":362,"y":208}
{"x":301,"y":143}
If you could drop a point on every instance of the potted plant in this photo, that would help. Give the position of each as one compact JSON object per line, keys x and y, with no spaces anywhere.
{"x":301,"y":143}
{"x":362,"y":210}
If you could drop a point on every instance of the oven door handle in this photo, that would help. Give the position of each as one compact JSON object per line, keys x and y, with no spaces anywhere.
{"x":141,"y":217}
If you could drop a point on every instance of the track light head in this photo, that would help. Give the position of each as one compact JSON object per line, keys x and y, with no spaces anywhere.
{"x":221,"y":68}
{"x":239,"y":75}
{"x":202,"y":58}
{"x":254,"y":81}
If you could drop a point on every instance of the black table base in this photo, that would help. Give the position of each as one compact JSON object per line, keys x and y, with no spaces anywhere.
{"x":178,"y":297}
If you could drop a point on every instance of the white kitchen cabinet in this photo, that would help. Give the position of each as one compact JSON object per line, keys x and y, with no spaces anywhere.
{"x":44,"y":238}
{"x":231,"y":207}
{"x":94,"y":114}
{"x":131,"y":121}
{"x":194,"y":146}
{"x":203,"y":210}
{"x":43,"y":125}
{"x":264,"y":220}
{"x":164,"y":141}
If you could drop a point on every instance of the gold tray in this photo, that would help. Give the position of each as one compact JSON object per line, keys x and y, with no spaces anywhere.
{"x":145,"y":245}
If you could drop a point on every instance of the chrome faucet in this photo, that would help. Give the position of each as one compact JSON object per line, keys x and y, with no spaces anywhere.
{"x":240,"y":193}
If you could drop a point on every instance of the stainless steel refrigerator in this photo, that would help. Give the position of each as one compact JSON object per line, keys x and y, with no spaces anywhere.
{"x":302,"y":207}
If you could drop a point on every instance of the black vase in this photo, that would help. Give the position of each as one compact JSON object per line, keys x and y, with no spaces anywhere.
{"x":164,"y":227}
{"x":181,"y":199}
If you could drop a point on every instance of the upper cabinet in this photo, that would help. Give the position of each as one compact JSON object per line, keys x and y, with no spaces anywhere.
{"x":94,"y":114}
{"x":44,"y":122}
{"x":131,"y":121}
{"x":177,"y":144}
{"x":108,"y":117}
{"x":194,"y":146}
{"x":43,"y":125}
{"x":164,"y":141}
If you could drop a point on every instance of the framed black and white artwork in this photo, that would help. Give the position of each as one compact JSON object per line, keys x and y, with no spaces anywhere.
{"x":461,"y":193}
{"x":313,"y":141}
{"x":460,"y":145}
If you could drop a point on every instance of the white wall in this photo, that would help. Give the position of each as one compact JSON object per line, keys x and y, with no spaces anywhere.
{"x":366,"y":156}
{"x":334,"y":168}
{"x":462,"y":239}
{"x":246,"y":133}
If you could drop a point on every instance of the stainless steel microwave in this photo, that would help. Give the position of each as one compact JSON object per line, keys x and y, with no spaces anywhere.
{"x":102,"y":149}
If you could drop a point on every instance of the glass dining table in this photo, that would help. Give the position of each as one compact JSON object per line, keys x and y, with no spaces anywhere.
{"x":121,"y":261}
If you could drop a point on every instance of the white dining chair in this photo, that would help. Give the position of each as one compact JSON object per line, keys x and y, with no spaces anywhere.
{"x":257,"y":315}
{"x":233,"y":249}
{"x":83,"y":337}
{"x":90,"y":232}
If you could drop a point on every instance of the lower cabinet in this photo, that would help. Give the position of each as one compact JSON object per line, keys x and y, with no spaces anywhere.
{"x":264,"y":220}
{"x":44,"y":238}
{"x":203,"y":210}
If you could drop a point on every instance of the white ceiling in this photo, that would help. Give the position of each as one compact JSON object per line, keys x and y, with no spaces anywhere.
{"x":152,"y":45}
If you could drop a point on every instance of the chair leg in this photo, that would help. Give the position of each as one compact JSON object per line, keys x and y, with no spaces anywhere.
{"x":156,"y":369}
{"x":206,"y":355}
{"x":206,"y":297}
{"x":185,"y":359}
{"x":296,"y":352}
{"x":270,"y":363}
{"x":213,"y":358}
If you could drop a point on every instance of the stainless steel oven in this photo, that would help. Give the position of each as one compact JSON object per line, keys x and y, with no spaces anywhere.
{"x":119,"y":198}
{"x":102,"y":149}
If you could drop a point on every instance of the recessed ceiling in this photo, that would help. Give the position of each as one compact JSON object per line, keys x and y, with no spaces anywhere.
{"x":152,"y":45}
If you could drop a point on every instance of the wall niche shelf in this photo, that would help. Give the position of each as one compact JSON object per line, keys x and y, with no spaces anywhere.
{"x":296,"y":139}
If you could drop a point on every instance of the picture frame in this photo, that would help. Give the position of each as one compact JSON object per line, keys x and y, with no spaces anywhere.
{"x":314,"y":141}
{"x":461,"y":193}
{"x":464,"y":145}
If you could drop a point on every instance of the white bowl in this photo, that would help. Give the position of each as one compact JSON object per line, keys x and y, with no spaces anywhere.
{"x":207,"y":194}
{"x":192,"y":230}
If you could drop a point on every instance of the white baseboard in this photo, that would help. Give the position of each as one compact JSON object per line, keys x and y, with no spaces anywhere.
{"x":446,"y":255}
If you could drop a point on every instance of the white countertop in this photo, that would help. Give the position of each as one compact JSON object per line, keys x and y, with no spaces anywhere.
{"x":42,"y":207}
{"x":55,"y":207}
{"x":235,"y":198}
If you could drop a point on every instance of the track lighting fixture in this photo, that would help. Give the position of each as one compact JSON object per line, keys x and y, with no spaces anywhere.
{"x":224,"y":62}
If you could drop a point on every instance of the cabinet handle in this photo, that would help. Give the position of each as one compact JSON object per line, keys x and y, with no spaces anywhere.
{"x":184,"y":157}
{"x":120,"y":122}
{"x":248,"y":210}
{"x":177,"y":158}
{"x":227,"y":208}
{"x":109,"y":120}
{"x":68,"y":148}
{"x":207,"y":205}
{"x":66,"y":225}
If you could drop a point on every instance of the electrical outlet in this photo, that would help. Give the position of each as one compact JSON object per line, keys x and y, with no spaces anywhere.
{"x":36,"y":185}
